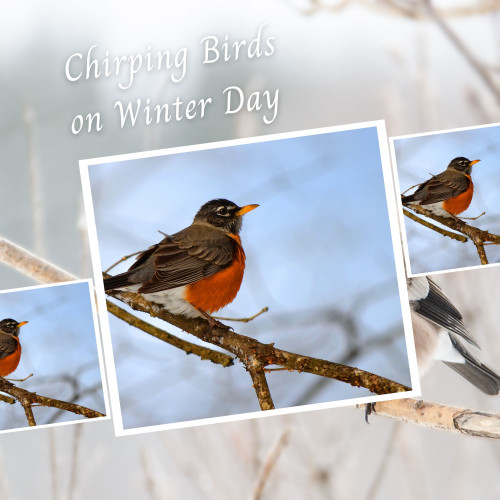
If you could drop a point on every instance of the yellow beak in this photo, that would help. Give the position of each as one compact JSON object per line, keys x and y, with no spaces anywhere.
{"x":247,"y":208}
{"x":22,"y":323}
{"x":473,"y":162}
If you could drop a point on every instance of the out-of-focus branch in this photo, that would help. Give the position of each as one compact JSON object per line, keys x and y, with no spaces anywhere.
{"x":256,"y":356}
{"x":441,"y":417}
{"x":28,"y":263}
{"x":269,"y":464}
{"x":410,"y":10}
{"x":474,"y":234}
{"x":481,"y":69}
{"x":29,"y":399}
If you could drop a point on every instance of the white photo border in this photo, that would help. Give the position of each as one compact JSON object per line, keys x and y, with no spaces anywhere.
{"x":100,"y":357}
{"x":101,"y":297}
{"x":400,"y":214}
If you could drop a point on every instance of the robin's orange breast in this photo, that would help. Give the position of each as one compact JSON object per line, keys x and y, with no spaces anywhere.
{"x":220,"y":289}
{"x":10,"y":362}
{"x":458,"y":204}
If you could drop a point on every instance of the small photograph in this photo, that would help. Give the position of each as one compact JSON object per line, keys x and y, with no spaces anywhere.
{"x":50,"y":370}
{"x":455,"y":319}
{"x":447,"y":186}
{"x":244,"y":278}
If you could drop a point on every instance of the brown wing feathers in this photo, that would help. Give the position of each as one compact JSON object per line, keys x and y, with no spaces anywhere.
{"x":439,"y":188}
{"x":183,"y":258}
{"x":8,"y":345}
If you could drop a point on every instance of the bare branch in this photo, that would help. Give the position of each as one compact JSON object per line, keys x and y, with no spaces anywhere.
{"x":478,"y":236}
{"x":28,"y":411}
{"x":440,"y":230}
{"x":29,"y":399}
{"x":244,"y":320}
{"x":253,"y":353}
{"x":123,"y":259}
{"x":37,"y":206}
{"x":188,"y":347}
{"x":269,"y":464}
{"x":441,"y":417}
{"x":479,"y":67}
{"x":28,"y":263}
{"x":7,"y":399}
{"x":256,"y":370}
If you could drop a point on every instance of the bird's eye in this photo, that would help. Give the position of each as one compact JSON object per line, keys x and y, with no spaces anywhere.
{"x":222,"y":211}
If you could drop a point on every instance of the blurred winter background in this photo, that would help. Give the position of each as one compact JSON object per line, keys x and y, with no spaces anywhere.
{"x":419,"y":157}
{"x":58,"y":348}
{"x":334,"y":64}
{"x":320,"y":259}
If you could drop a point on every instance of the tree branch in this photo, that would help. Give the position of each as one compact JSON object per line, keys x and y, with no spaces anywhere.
{"x":269,"y":464}
{"x":480,"y":68}
{"x":256,"y":370}
{"x":256,"y":356}
{"x":28,"y":263}
{"x":441,"y":417}
{"x":188,"y":347}
{"x":28,"y":399}
{"x":478,"y":236}
{"x":440,"y":230}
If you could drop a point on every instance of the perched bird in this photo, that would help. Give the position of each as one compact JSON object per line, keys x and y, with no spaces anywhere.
{"x":196,"y":271}
{"x":10,"y":348}
{"x":449,"y":192}
{"x":440,"y":333}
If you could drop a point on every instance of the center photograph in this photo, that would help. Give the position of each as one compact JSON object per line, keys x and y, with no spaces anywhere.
{"x":249,"y":277}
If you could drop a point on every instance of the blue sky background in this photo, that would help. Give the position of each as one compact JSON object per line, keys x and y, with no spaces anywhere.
{"x":58,"y":347}
{"x":417,"y":158}
{"x":320,"y":258}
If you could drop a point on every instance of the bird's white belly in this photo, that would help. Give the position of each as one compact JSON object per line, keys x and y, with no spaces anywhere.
{"x":172,"y":300}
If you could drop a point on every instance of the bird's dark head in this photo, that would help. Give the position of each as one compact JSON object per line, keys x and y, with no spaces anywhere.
{"x":11,"y":326}
{"x":223,"y":214}
{"x":462,"y":164}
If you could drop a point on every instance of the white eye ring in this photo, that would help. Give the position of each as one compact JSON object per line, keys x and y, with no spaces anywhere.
{"x":220,"y":209}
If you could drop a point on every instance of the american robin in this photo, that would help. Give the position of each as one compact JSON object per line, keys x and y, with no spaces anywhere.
{"x":10,"y":348}
{"x":449,"y":192}
{"x":440,"y":333}
{"x":196,"y":271}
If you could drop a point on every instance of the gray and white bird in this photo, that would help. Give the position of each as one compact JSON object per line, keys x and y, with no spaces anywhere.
{"x":440,"y":333}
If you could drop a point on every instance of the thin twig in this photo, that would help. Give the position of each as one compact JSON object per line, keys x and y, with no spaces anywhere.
{"x":73,"y":480}
{"x":474,"y":218}
{"x":7,"y":399}
{"x":383,"y":465}
{"x":123,"y":259}
{"x":188,"y":347}
{"x":54,"y":477}
{"x":270,"y":464}
{"x":244,"y":320}
{"x":37,"y":206}
{"x":479,"y":67}
{"x":19,"y":379}
{"x":409,"y":10}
